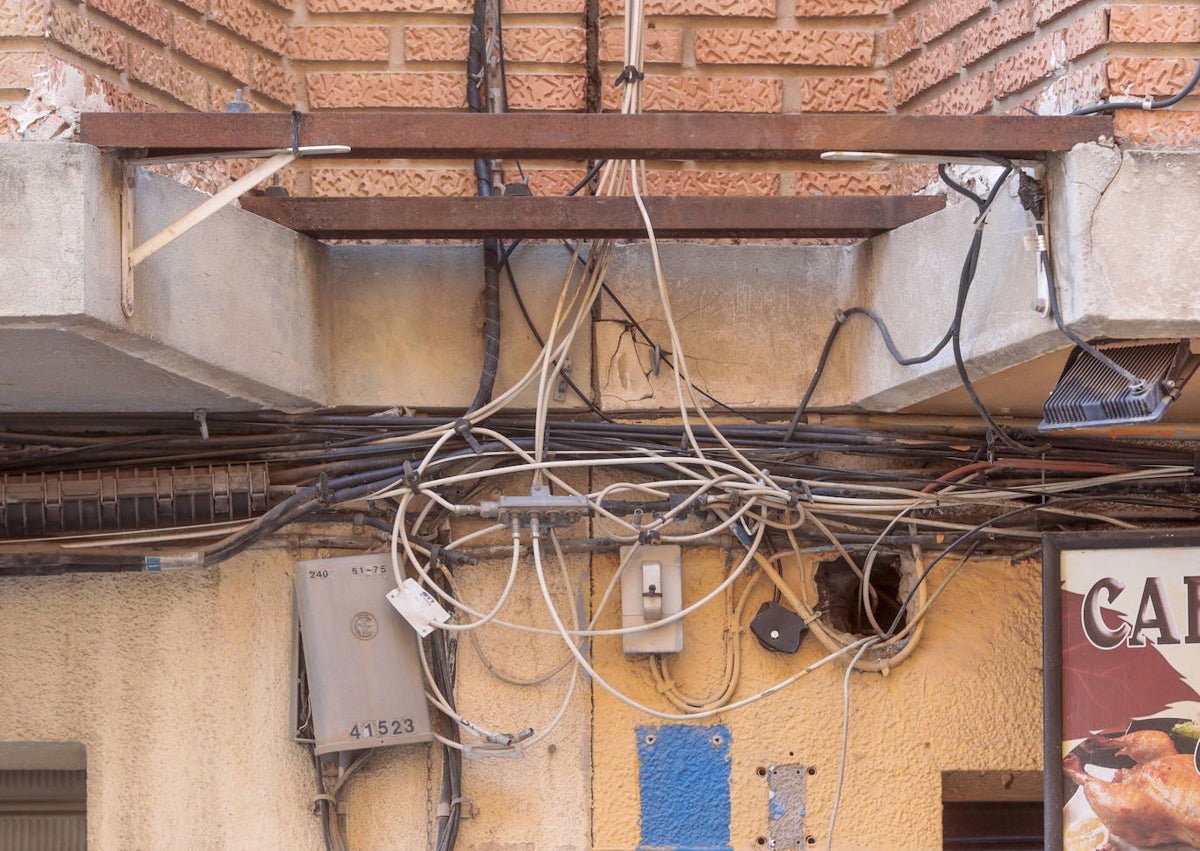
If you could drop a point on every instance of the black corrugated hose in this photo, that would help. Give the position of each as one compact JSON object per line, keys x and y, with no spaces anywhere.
{"x":477,"y":83}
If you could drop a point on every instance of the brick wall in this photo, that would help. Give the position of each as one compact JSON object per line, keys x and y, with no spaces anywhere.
{"x":795,"y":56}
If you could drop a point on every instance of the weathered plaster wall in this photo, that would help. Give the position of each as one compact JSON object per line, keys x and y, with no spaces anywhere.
{"x":178,"y":685}
{"x":969,"y":698}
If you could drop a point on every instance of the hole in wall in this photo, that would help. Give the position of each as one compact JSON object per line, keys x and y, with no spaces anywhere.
{"x":839,"y":594}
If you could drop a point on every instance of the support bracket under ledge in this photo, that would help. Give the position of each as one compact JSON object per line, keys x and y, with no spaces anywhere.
{"x":133,"y":255}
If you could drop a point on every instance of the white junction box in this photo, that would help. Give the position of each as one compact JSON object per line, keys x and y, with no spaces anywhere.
{"x":358,"y":655}
{"x":651,"y":590}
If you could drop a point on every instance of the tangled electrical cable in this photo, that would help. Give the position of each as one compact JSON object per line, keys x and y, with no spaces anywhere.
{"x":774,"y":498}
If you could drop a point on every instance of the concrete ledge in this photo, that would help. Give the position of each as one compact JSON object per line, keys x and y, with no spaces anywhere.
{"x":240,"y":313}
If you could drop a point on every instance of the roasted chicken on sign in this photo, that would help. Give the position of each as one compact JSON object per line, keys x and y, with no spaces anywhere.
{"x":1155,"y":801}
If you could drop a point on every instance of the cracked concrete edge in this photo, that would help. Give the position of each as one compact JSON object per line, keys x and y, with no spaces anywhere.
{"x":1077,"y":183}
{"x":911,"y":279}
{"x":1143,"y":240}
{"x":1124,"y":269}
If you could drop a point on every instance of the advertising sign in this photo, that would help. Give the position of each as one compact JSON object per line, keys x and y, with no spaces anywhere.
{"x":1122,"y":700}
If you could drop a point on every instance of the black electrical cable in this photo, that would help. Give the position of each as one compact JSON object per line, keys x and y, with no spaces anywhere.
{"x":966,"y":536}
{"x":491,"y":325}
{"x":575,"y":388}
{"x":966,"y":278}
{"x":444,"y":646}
{"x":1033,"y":199}
{"x":1148,"y":104}
{"x":666,"y":358}
{"x":477,"y":84}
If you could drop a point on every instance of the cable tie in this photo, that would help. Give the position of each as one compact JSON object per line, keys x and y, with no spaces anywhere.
{"x":296,"y":130}
{"x":629,"y":74}
{"x":411,"y":478}
{"x":435,"y":551}
{"x":200,"y":415}
{"x":462,"y":427}
{"x":667,"y":685}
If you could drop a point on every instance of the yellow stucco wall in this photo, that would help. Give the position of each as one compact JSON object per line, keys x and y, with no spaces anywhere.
{"x":178,"y":685}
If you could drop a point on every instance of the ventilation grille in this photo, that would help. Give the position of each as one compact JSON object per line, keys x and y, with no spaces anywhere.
{"x":43,"y":810}
{"x":1090,"y":393}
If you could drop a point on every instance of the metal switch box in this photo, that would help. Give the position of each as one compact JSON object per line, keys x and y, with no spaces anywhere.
{"x":365,"y":688}
{"x":651,"y":590}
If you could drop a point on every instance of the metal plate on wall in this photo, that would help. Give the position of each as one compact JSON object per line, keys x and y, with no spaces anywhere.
{"x":787,"y":803}
{"x":683,"y":778}
{"x":364,"y":675}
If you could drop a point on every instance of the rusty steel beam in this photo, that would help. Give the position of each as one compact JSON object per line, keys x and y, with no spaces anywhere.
{"x":591,"y":217}
{"x":719,"y":136}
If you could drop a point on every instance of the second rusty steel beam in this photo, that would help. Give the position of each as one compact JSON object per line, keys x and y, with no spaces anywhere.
{"x":584,"y":217}
{"x":706,"y":136}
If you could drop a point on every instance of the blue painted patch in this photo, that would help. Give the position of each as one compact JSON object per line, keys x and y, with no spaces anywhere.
{"x":777,"y":803}
{"x":683,"y":776}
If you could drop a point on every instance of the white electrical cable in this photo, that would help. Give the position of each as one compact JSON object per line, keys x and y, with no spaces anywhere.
{"x":837,"y":795}
{"x":666,"y":716}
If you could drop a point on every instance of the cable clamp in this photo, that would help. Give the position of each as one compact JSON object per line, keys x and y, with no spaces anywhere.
{"x":321,"y":796}
{"x":649,"y":536}
{"x":839,"y":316}
{"x":800,"y":487}
{"x":629,"y":74}
{"x":323,"y":488}
{"x":1148,"y":103}
{"x":200,"y":415}
{"x":411,"y":478}
{"x":1034,"y":242}
{"x":462,"y":427}
{"x":483,"y":751}
{"x":296,"y":114}
{"x":469,"y":811}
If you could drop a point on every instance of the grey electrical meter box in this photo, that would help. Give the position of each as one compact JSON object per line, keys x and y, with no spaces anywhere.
{"x":359,"y":658}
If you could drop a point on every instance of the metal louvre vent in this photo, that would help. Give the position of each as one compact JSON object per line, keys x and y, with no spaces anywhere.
{"x":43,"y":810}
{"x":1090,"y":393}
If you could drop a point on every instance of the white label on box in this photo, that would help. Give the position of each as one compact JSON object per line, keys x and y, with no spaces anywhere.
{"x":418,"y":606}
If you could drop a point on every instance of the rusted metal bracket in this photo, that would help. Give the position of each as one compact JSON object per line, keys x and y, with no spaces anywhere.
{"x":687,"y":136}
{"x":133,"y":255}
{"x":583,"y":217}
